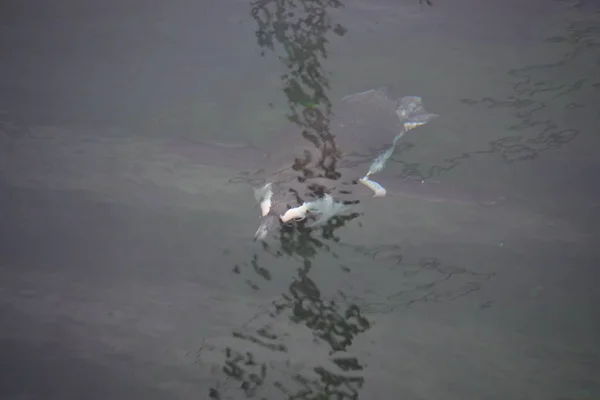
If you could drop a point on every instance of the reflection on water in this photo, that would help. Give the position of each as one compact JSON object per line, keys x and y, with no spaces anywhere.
{"x":301,"y":29}
{"x":534,"y":100}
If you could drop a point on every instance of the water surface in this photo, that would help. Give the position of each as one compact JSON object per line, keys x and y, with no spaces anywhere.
{"x":128,"y":265}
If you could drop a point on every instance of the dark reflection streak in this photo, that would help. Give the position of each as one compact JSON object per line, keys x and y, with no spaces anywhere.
{"x":433,"y":291}
{"x":303,"y":39}
{"x":300,"y":29}
{"x":538,"y":135}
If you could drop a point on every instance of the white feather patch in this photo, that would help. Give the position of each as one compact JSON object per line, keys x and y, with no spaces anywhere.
{"x":263,"y":196}
{"x":378,"y":190}
{"x":295,"y":213}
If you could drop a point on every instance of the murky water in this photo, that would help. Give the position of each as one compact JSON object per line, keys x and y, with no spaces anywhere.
{"x":130,"y":137}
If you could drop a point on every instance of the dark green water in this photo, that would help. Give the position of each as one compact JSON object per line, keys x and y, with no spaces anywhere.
{"x":128,"y":268}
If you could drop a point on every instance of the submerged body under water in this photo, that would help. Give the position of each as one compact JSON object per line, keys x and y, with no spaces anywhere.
{"x":366,"y":128}
{"x":366,"y":118}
